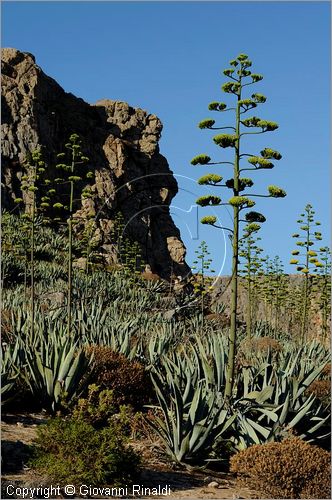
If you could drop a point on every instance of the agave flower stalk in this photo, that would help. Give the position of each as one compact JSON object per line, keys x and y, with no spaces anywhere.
{"x":76,"y":158}
{"x":202,"y":283}
{"x":276,"y":290}
{"x":32,"y":185}
{"x":250,"y":252}
{"x":240,"y":201}
{"x":15,"y":241}
{"x":306,"y":261}
{"x":323,"y":288}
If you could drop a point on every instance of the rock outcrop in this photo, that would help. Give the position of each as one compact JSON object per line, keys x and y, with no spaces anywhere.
{"x":130,"y":174}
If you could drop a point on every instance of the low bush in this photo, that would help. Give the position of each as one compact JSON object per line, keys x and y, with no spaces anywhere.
{"x":322,"y":390}
{"x":97,"y":408}
{"x":261,"y":344}
{"x":127,"y":379}
{"x":74,"y":452}
{"x":289,"y":469}
{"x":251,"y":347}
{"x":326,"y":373}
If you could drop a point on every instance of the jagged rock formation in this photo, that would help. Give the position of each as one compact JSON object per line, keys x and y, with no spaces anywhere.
{"x":122,"y":143}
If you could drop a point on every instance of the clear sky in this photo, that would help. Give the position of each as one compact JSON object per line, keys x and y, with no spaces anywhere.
{"x":168,"y":57}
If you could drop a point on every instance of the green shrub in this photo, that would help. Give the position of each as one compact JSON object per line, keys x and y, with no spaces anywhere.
{"x":73,"y":451}
{"x":290,"y":469}
{"x":127,"y":379}
{"x":97,"y":408}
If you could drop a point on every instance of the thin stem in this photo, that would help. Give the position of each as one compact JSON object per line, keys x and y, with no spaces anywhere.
{"x":260,"y":195}
{"x":220,"y":163}
{"x":255,"y":168}
{"x":70,"y":247}
{"x":304,"y":325}
{"x":249,"y":291}
{"x":234,"y":281}
{"x":222,"y":227}
{"x":233,"y":78}
{"x":221,"y":128}
{"x":32,"y":254}
{"x":249,"y":83}
{"x":252,"y":133}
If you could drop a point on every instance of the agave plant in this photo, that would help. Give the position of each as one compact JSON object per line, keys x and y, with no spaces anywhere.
{"x":271,"y":400}
{"x":210,"y":358}
{"x":55,"y":373}
{"x":11,"y":366}
{"x":193,"y":415}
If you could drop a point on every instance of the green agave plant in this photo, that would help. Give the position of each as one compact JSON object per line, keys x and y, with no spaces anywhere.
{"x":11,"y":365}
{"x":56,"y":371}
{"x":272,"y":399}
{"x":192,"y":420}
{"x":210,"y":358}
{"x":269,"y":401}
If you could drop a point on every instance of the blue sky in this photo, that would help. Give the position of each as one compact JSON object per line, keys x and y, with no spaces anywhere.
{"x":168,"y":57}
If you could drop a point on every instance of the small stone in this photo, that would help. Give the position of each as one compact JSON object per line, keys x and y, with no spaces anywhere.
{"x":223,"y":485}
{"x":207,"y":479}
{"x":213,"y":484}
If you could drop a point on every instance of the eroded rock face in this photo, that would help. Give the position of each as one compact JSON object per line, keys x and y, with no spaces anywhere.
{"x":122,"y":143}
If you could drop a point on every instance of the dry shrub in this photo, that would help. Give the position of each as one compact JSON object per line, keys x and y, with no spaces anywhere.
{"x":219,"y":318}
{"x":250,"y":347}
{"x":321,"y":389}
{"x":327,"y":371}
{"x":290,"y":469}
{"x":6,"y":325}
{"x":261,"y":344}
{"x":149,"y":276}
{"x":127,"y":379}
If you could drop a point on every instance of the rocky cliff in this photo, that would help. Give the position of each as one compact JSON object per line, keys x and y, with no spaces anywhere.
{"x":121,"y":142}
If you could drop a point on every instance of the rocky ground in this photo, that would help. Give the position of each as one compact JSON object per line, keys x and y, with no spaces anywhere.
{"x":18,"y":431}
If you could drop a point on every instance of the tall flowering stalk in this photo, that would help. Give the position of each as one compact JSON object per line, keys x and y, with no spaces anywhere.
{"x":201,"y":282}
{"x":37,"y":198}
{"x":306,"y":261}
{"x":75,"y":158}
{"x":323,"y":288}
{"x":274,"y":290}
{"x":250,"y":266}
{"x":240,"y":77}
